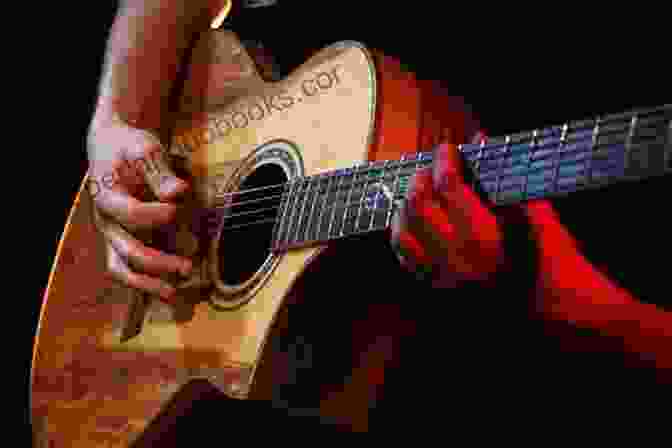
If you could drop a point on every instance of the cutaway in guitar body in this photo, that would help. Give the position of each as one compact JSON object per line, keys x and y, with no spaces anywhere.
{"x":91,"y":386}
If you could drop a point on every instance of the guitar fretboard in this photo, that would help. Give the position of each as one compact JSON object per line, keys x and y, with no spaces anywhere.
{"x":562,"y":159}
{"x":544,"y":163}
{"x":344,"y":202}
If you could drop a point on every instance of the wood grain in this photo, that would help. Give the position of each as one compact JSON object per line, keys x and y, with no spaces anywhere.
{"x":91,"y":390}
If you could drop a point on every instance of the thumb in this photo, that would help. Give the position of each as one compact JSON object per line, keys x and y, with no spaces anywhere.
{"x":157,"y":172}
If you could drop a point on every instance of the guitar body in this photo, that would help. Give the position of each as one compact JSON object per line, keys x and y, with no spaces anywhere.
{"x":95,"y":382}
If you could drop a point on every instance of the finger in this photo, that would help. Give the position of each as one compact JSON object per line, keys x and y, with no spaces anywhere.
{"x":479,"y":137}
{"x":455,"y":247}
{"x":429,"y":224}
{"x":120,"y":271}
{"x":408,"y":249}
{"x":447,"y":170}
{"x":466,"y":209}
{"x":470,"y":216}
{"x":413,"y":255}
{"x":116,"y":202}
{"x":448,"y":182}
{"x":142,"y":258}
{"x":148,"y":157}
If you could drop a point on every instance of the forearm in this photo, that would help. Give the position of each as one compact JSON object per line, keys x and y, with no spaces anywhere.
{"x":145,"y":50}
{"x":572,"y":290}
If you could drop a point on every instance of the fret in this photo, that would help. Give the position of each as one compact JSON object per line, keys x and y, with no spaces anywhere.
{"x":358,"y":202}
{"x":526,"y":170}
{"x":382,"y":192}
{"x":332,"y":203}
{"x":558,"y":158}
{"x":629,"y":140}
{"x":305,"y":208}
{"x":324,"y":220}
{"x":575,"y":157}
{"x":321,"y":224}
{"x":396,"y":188}
{"x":589,"y":160}
{"x":297,"y":211}
{"x":284,"y":239}
{"x":301,"y":217}
{"x":477,"y":163}
{"x":316,"y":194}
{"x":278,"y":227}
{"x":647,"y":154}
{"x":347,"y":206}
{"x":500,"y":166}
{"x":365,"y":221}
{"x":350,"y":206}
{"x":375,"y":185}
{"x":360,"y":209}
{"x":310,"y":220}
{"x":336,"y":217}
{"x":533,"y":145}
{"x":361,"y":198}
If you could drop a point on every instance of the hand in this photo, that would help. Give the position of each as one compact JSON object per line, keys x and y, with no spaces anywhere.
{"x":444,"y":228}
{"x":127,"y":168}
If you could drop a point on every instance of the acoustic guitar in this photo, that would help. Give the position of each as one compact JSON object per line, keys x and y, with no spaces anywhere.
{"x":279,"y":171}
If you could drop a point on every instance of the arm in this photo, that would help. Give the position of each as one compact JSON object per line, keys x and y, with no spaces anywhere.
{"x":147,"y":44}
{"x":146,"y":47}
{"x":570,"y":289}
{"x":444,"y":225}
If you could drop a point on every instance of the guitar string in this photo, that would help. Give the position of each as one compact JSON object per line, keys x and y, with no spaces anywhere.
{"x":364,"y":180}
{"x":336,"y":206}
{"x":420,"y":157}
{"x":330,"y":208}
{"x":425,"y":157}
{"x":326,"y":191}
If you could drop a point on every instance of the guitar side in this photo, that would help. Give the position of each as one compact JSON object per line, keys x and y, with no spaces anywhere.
{"x":88,"y":388}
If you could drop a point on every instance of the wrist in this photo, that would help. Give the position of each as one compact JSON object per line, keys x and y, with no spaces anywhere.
{"x":109,"y":113}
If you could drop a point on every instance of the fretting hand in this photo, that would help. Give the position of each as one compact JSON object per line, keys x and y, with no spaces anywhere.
{"x":443,"y":230}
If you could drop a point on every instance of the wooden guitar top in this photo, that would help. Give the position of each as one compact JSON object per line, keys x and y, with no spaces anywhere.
{"x":91,"y":389}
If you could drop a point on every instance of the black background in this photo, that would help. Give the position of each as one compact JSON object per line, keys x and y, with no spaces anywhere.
{"x":519,"y":69}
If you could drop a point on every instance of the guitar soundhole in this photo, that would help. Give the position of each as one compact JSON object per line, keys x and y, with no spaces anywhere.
{"x":248,"y":226}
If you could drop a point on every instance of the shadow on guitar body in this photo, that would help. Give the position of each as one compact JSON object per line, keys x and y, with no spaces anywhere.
{"x":324,"y":367}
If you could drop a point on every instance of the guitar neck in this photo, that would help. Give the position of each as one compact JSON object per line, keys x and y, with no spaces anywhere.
{"x":579,"y":155}
{"x":544,"y":163}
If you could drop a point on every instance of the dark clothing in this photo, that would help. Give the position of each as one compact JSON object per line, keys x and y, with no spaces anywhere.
{"x":475,"y":357}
